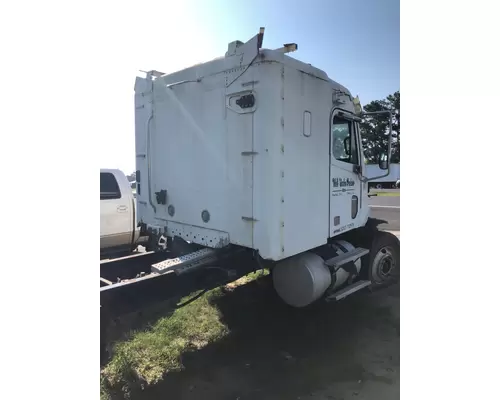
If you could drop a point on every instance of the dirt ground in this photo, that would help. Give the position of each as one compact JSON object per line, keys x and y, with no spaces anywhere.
{"x":346,"y":350}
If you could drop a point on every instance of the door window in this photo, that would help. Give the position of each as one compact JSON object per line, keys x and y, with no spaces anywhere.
{"x":344,"y":144}
{"x":109,"y":187}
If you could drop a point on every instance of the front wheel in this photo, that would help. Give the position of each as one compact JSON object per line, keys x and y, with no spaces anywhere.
{"x":383,"y":266}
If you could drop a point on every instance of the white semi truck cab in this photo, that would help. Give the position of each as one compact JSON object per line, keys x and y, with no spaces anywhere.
{"x":258,"y":150}
{"x":252,"y":160}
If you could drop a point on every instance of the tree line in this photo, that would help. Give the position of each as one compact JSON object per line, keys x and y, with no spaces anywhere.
{"x":375,"y":129}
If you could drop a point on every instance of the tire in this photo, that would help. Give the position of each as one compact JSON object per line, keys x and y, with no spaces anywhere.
{"x":383,"y":260}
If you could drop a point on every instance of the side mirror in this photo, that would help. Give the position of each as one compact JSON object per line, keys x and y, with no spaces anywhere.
{"x":382,"y":162}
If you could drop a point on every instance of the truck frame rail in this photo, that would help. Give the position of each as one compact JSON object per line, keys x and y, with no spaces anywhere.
{"x":131,"y":283}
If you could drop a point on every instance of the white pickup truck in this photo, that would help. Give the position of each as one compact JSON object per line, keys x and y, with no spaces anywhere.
{"x":120,"y":232}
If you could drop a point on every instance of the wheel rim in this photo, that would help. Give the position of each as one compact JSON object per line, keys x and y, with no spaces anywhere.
{"x":384,"y":264}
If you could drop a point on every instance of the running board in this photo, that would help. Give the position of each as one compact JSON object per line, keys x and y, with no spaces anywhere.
{"x":185,"y":263}
{"x":348,"y":290}
{"x":346,"y":257}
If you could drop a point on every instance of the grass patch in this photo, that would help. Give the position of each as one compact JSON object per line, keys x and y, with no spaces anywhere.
{"x":387,"y":194}
{"x":147,"y":356}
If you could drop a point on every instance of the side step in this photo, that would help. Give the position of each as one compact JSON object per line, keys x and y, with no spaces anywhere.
{"x":348,"y":290}
{"x":185,"y":263}
{"x":347,"y":257}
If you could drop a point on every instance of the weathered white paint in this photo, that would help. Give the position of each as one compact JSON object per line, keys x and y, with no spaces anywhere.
{"x":266,"y":185}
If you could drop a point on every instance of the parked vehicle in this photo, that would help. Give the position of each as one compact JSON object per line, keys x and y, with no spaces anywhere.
{"x":120,"y":232}
{"x":233,"y":160}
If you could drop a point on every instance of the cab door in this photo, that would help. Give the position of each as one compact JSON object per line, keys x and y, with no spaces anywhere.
{"x":345,"y":172}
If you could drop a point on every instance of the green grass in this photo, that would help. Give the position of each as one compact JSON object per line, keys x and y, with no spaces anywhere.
{"x":391,"y":194}
{"x":148,"y":355}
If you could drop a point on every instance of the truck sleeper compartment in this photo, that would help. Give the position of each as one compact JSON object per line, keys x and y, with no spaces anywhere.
{"x":237,"y":153}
